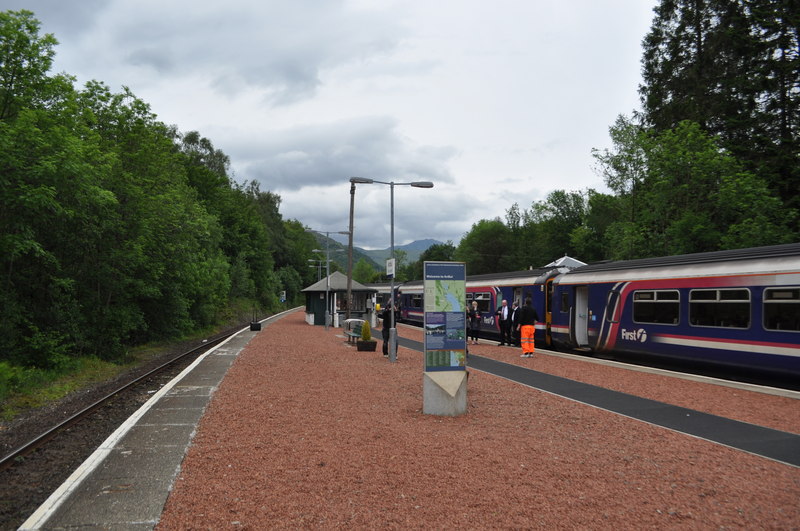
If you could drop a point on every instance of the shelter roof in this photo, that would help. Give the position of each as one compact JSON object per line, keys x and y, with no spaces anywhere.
{"x":338,"y":282}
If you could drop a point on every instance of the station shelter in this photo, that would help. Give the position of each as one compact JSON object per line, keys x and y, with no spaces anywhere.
{"x":335,"y":286}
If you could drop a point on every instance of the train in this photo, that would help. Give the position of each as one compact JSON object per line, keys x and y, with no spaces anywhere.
{"x":737,"y":310}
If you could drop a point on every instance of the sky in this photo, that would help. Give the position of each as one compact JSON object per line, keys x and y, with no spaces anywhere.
{"x":496,"y":103}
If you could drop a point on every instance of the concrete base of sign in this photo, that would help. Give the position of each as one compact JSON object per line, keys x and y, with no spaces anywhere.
{"x":444,"y":393}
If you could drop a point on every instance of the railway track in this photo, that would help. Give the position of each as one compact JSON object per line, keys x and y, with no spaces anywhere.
{"x":33,"y":469}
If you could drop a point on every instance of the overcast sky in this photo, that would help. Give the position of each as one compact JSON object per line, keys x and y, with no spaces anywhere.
{"x":495,"y":102}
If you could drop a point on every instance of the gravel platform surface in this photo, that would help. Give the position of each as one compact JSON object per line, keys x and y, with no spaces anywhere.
{"x":306,"y":432}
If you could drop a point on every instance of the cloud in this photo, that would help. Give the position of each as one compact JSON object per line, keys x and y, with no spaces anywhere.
{"x":278,"y":48}
{"x":316,"y":155}
{"x":64,"y":19}
{"x":496,"y":103}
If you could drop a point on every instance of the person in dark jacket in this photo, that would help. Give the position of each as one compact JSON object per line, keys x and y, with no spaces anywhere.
{"x":527,"y":328}
{"x":474,"y":322}
{"x":515,"y":311}
{"x":386,"y":317}
{"x":503,"y":314}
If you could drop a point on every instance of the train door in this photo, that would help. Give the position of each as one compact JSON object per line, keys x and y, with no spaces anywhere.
{"x":582,"y":315}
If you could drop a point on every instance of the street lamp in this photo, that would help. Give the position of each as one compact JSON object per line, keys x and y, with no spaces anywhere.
{"x":317,"y":265}
{"x":392,"y":184}
{"x":327,"y":270}
{"x":353,"y":182}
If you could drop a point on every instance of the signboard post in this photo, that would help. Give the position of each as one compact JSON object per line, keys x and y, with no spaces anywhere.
{"x":444,"y":389}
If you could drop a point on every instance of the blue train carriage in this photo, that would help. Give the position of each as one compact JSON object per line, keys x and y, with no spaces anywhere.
{"x":489,"y":291}
{"x":410,"y":296}
{"x":738,"y":308}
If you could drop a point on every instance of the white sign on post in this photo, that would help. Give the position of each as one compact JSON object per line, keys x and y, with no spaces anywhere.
{"x":390,"y":267}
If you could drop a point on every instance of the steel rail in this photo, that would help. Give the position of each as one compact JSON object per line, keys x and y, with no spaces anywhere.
{"x":37,"y":442}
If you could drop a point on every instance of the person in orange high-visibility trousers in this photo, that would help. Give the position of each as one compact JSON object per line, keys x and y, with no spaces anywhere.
{"x":527,"y":328}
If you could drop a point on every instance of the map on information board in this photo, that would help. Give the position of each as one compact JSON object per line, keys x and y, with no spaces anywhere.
{"x":445,"y":296}
{"x":445,"y":317}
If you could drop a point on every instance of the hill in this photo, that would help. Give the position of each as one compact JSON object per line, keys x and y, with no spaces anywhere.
{"x":413,"y":251}
{"x":338,"y":253}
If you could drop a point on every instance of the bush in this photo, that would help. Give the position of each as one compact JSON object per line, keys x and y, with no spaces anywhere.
{"x":366,"y":332}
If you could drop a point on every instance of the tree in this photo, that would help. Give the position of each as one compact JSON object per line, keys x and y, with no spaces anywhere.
{"x":624,"y":168}
{"x":588,"y":240}
{"x":25,"y":59}
{"x":733,"y":67}
{"x":486,"y":248}
{"x":363,"y":272}
{"x":438,"y":252}
{"x":542,"y":232}
{"x":116,"y":229}
{"x":298,"y":250}
{"x":400,"y":259}
{"x":689,"y":199}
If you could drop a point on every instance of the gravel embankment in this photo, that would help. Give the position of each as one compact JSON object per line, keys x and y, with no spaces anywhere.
{"x":306,"y":432}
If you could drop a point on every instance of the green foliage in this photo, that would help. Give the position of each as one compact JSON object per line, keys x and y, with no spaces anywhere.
{"x":734,"y":69}
{"x":693,"y":196}
{"x":116,"y":229}
{"x":486,"y":248}
{"x":290,"y":281}
{"x":439,"y":252}
{"x":364,"y":273}
{"x":24,"y":387}
{"x":25,"y":59}
{"x":366,"y":332}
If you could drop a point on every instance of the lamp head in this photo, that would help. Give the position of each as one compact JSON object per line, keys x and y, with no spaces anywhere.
{"x":422,"y":184}
{"x":360,"y":180}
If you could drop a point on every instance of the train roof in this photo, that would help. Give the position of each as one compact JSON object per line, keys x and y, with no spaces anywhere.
{"x":510,"y":275}
{"x":752,"y":253}
{"x":761,"y":259}
{"x":526,"y":276}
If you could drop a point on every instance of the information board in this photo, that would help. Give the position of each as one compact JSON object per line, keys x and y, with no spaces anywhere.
{"x":445,"y":297}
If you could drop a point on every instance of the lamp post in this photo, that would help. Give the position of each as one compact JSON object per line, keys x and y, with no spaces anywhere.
{"x":392,"y":184}
{"x":317,"y":265}
{"x":353,"y":182}
{"x":327,"y":271}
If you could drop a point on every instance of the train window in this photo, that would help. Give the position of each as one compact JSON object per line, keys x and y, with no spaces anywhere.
{"x":727,"y":308}
{"x":782,"y":309}
{"x":484,"y":301}
{"x":704,"y":295}
{"x":734,"y":295}
{"x":656,"y":306}
{"x":564,"y":301}
{"x":416,"y":301}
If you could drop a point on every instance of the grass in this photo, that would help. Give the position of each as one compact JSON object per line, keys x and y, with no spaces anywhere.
{"x":23,"y":389}
{"x":34,"y":388}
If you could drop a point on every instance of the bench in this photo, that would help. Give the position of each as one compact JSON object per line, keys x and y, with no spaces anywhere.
{"x":353,"y":330}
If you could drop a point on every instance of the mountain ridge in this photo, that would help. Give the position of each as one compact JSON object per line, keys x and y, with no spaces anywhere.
{"x":375,"y":257}
{"x":413,"y":251}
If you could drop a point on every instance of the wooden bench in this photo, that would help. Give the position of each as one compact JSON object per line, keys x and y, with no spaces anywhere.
{"x":353,"y":331}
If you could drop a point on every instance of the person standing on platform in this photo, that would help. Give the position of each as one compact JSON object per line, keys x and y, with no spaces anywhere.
{"x":474,"y":322}
{"x":527,"y":328}
{"x":386,"y":317}
{"x":514,"y":322}
{"x":503,"y":314}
